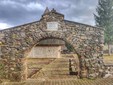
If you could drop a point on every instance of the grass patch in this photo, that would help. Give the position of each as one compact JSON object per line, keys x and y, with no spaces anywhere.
{"x":108,"y":59}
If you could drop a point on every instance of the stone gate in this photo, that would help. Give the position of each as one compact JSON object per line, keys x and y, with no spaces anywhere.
{"x":16,"y":42}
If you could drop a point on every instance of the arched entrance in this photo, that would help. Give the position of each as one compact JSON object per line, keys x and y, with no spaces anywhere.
{"x":87,"y":42}
{"x":47,"y":48}
{"x":50,"y":57}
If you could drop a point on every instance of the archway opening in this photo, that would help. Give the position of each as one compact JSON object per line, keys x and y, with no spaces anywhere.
{"x":47,"y":48}
{"x":51,"y":58}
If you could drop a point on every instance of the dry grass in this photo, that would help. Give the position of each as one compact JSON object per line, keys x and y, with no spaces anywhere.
{"x":108,"y":59}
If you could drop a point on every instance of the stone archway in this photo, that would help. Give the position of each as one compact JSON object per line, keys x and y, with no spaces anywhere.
{"x":87,"y":42}
{"x":53,"y":46}
{"x":48,"y":35}
{"x":84,"y":48}
{"x":84,"y":52}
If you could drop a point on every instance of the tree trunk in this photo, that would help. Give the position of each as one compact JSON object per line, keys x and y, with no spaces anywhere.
{"x":109,"y":50}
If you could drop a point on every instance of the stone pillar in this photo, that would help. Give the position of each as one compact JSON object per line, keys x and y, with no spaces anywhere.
{"x":24,"y":69}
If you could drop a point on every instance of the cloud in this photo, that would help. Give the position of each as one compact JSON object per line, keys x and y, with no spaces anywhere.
{"x":4,"y":26}
{"x":34,"y":6}
{"x":17,"y":12}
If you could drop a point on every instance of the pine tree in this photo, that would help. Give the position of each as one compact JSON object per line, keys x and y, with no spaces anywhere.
{"x":104,"y":19}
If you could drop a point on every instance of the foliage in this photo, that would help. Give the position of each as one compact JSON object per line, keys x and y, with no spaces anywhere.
{"x":69,"y":47}
{"x":1,"y":70}
{"x":104,"y":18}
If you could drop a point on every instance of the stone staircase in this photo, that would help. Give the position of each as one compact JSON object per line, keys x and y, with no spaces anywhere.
{"x":57,"y":69}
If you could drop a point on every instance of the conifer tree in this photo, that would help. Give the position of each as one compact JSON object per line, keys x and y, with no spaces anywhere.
{"x":104,"y":19}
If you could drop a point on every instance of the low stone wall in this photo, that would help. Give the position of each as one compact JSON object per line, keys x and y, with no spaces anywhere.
{"x":108,"y":71}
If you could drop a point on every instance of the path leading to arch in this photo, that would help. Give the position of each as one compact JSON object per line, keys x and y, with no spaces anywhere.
{"x":107,"y":81}
{"x":72,"y":82}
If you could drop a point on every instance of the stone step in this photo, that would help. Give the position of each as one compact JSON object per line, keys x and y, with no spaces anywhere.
{"x":55,"y":69}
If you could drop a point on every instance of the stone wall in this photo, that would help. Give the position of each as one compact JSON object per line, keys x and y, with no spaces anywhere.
{"x":16,"y":42}
{"x":108,"y":71}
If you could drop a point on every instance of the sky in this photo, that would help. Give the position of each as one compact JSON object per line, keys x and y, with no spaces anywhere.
{"x":18,"y":12}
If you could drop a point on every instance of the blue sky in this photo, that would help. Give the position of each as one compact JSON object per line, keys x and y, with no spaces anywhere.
{"x":17,"y":12}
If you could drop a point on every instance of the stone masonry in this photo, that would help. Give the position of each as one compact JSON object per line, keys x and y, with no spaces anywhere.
{"x":16,"y":42}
